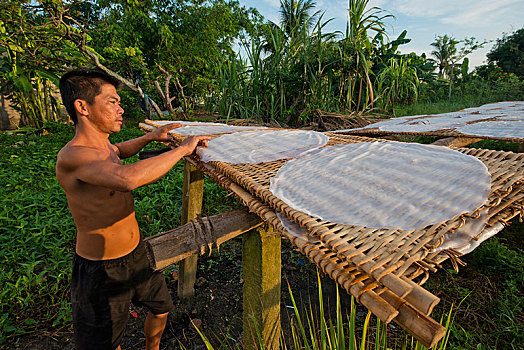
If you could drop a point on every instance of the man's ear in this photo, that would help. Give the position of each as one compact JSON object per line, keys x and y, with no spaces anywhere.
{"x":81,"y":107}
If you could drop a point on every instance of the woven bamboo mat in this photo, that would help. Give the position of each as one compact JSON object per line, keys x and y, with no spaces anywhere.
{"x":435,"y":133}
{"x":397,"y":251}
{"x":383,"y":269}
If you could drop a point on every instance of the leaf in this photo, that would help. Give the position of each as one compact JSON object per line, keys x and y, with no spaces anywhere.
{"x":22,"y":83}
{"x":48,"y":75}
{"x":15,"y":48}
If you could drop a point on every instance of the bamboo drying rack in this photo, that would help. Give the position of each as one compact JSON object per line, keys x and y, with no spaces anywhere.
{"x":435,"y":133}
{"x":383,"y":269}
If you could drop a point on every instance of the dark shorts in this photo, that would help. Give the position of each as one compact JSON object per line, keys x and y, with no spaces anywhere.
{"x":101,"y":292}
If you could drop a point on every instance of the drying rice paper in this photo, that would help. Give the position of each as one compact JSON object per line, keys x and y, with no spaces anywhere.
{"x":203,"y":128}
{"x":383,"y":185}
{"x":508,"y":128}
{"x":498,"y":120}
{"x":261,"y":146}
{"x":469,"y":236}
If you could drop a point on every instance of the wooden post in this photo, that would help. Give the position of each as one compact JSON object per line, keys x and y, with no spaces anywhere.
{"x":521,"y":148}
{"x":193,"y":192}
{"x":261,"y":292}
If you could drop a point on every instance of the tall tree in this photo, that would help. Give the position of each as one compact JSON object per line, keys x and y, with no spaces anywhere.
{"x":357,"y":49}
{"x":32,"y":51}
{"x":296,"y":14}
{"x":445,"y":49}
{"x":508,"y":53}
{"x":171,"y":46}
{"x":448,"y":55}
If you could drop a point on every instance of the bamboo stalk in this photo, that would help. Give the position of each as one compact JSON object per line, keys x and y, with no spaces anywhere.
{"x":425,"y":329}
{"x":420,"y":298}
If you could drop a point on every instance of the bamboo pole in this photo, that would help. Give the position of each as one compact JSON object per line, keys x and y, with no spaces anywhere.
{"x":425,"y":329}
{"x":421,"y":299}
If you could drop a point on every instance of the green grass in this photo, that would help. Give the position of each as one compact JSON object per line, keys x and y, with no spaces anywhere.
{"x":434,"y":108}
{"x":315,"y":328}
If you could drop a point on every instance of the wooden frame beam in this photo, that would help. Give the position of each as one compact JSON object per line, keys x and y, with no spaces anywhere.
{"x":199,"y":236}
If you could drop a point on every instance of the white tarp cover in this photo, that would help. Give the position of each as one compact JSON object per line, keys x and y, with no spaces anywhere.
{"x":383,"y":185}
{"x":261,"y":146}
{"x":471,"y":121}
{"x":204,"y":128}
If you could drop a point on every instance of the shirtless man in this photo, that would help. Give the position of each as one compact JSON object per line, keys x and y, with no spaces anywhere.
{"x":110,"y":267}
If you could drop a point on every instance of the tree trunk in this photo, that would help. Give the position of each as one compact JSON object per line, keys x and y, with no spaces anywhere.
{"x":450,"y":81}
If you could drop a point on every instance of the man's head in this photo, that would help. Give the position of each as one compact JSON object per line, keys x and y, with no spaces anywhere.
{"x":84,"y":85}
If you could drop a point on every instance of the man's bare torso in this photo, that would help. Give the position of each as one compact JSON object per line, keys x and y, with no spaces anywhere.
{"x":104,"y":217}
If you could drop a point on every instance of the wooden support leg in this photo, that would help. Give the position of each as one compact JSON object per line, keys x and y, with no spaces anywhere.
{"x":193,"y":192}
{"x":261,"y":292}
{"x":521,"y":148}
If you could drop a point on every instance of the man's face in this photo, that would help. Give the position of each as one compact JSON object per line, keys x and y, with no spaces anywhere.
{"x":105,"y":112}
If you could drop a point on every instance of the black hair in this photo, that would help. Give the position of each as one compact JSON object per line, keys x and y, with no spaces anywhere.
{"x":83,"y":85}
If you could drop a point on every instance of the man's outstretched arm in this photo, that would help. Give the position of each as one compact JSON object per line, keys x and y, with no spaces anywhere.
{"x":88,"y":166}
{"x":129,"y":148}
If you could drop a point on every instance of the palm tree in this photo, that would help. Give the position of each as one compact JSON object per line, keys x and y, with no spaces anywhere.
{"x":445,"y":50}
{"x":295,"y":15}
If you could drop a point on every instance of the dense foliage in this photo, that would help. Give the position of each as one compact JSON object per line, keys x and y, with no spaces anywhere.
{"x":168,"y":47}
{"x":508,"y":53}
{"x":178,"y":55}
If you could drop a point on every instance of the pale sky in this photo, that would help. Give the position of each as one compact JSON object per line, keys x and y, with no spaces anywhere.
{"x":424,"y":20}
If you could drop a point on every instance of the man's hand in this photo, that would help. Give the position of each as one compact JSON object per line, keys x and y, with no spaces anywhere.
{"x":162,"y":134}
{"x":191,"y":143}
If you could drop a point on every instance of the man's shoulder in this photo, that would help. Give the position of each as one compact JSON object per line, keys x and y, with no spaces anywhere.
{"x":75,"y":154}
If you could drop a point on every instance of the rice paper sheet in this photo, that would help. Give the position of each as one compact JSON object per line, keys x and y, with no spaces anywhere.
{"x":502,"y":119}
{"x":383,"y":185}
{"x":261,"y":146}
{"x":203,"y":128}
{"x":510,"y":128}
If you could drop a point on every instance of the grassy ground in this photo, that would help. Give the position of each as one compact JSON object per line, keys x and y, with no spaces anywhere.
{"x":37,"y":240}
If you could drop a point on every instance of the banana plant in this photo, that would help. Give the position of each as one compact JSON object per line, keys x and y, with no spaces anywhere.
{"x":398,"y":83}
